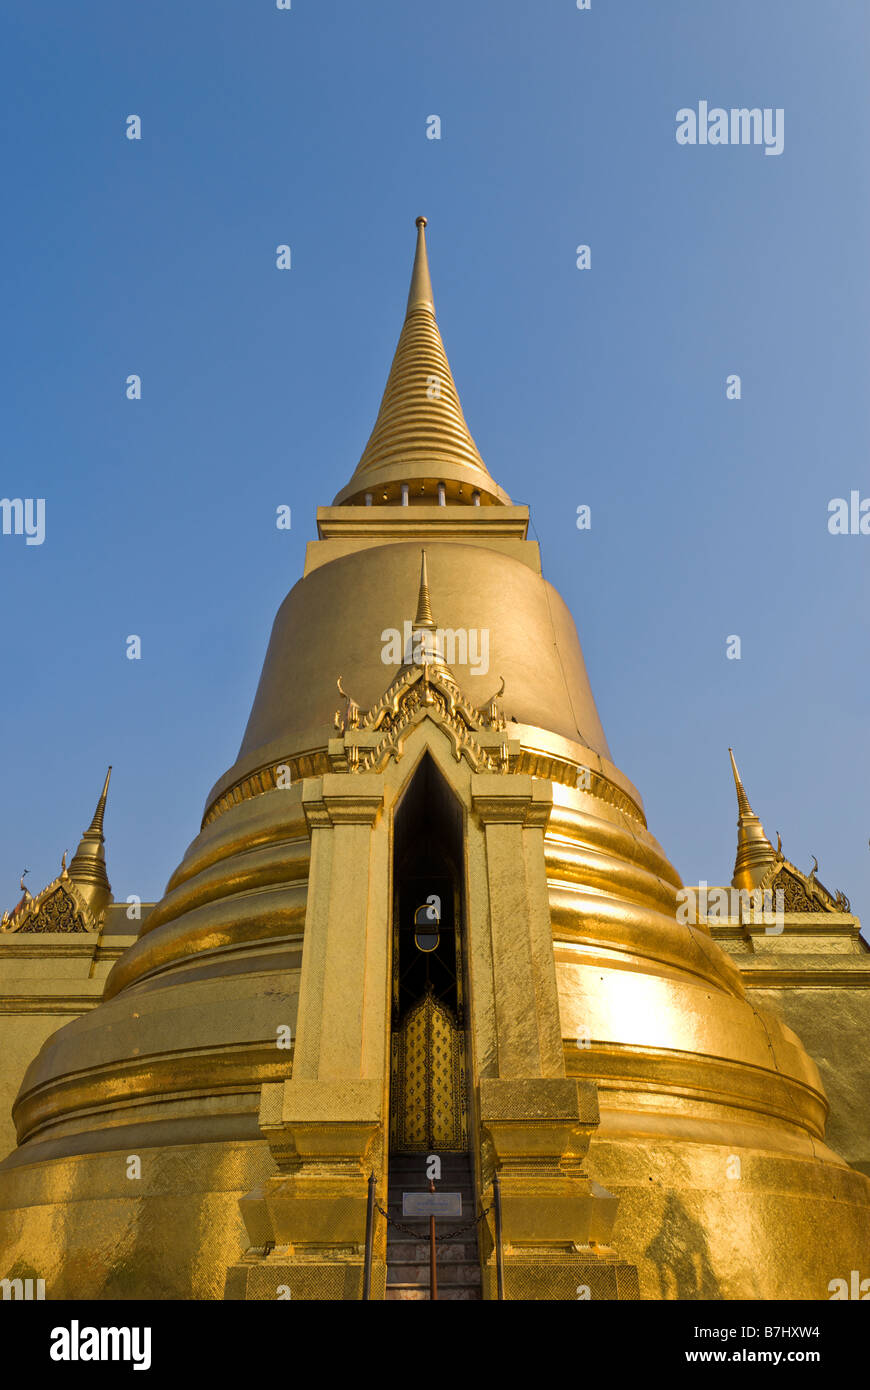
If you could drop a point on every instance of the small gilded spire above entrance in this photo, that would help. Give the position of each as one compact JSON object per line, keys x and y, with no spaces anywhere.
{"x":421,"y":451}
{"x":424,"y":607}
{"x":755,"y":853}
{"x":425,"y":646}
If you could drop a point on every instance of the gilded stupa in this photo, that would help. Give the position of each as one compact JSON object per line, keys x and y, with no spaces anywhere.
{"x":424,"y":915}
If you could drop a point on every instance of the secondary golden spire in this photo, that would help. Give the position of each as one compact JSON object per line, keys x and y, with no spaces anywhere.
{"x":755,"y":853}
{"x":420,"y":441}
{"x":88,"y":866}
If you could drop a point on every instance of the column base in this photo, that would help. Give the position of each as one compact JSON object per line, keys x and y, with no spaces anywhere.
{"x":277,"y":1276}
{"x":307,"y":1224}
{"x":562,"y":1276}
{"x":556,"y":1222}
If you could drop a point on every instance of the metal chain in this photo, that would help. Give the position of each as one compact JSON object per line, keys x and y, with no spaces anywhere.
{"x":469,"y":1225}
{"x":398,"y":1225}
{"x":439,"y":1235}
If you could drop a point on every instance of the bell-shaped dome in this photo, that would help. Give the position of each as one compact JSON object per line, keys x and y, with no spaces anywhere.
{"x":333,"y":622}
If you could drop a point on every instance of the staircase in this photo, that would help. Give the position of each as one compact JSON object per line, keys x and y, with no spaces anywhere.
{"x":408,"y":1255}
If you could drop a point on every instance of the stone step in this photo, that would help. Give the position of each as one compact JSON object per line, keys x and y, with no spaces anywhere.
{"x":418,"y":1182}
{"x":395,"y":1208}
{"x":396,"y":1189}
{"x":448,"y":1170}
{"x":416,"y":1252}
{"x":465,"y":1191}
{"x":397,"y":1240}
{"x":408,"y":1248}
{"x":421,"y":1155}
{"x":413,"y":1162}
{"x":417,"y":1228}
{"x":446,"y":1222}
{"x":448,"y":1274}
{"x":418,"y":1178}
{"x":410,"y":1293}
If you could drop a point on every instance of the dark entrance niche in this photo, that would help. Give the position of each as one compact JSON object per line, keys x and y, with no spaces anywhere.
{"x":427,"y":859}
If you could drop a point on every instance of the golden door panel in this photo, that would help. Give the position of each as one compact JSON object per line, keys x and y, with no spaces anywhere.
{"x":427,"y":1109}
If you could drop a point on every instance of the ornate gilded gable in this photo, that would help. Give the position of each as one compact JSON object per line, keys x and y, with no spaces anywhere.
{"x":368,"y":740}
{"x":77,"y":899}
{"x":58,"y":908}
{"x":802,"y":892}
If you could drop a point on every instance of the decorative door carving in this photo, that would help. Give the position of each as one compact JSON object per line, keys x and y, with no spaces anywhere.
{"x":428,"y":1110}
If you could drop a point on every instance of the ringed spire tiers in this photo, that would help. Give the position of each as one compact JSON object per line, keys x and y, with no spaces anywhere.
{"x":755,"y":853}
{"x":88,"y":865}
{"x":421,"y":448}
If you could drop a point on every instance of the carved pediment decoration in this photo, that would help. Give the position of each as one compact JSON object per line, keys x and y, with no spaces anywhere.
{"x":802,"y":892}
{"x":58,"y":908}
{"x":369,"y":739}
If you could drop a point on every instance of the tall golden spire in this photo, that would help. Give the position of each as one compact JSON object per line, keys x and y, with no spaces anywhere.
{"x":88,"y":866}
{"x":755,"y":853}
{"x":420,"y":438}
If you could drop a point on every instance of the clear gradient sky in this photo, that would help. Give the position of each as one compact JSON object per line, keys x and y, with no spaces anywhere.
{"x":605,"y":387}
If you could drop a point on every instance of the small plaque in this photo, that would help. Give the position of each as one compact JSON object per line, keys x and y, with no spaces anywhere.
{"x":431,"y":1203}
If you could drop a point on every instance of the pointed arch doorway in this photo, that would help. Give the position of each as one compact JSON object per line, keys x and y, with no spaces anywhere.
{"x":428,"y":1086}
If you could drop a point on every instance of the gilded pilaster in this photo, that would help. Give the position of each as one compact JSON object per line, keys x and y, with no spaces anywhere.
{"x":536,"y":1124}
{"x":340,"y":950}
{"x":326,"y":1124}
{"x":514,"y":810}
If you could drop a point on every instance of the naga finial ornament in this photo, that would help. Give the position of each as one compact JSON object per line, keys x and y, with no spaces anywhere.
{"x":351,"y":713}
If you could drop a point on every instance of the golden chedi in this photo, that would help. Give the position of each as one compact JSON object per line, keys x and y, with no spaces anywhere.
{"x":424,"y":915}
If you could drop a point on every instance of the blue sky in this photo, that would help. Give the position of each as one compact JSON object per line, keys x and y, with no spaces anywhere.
{"x":604,"y":387}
